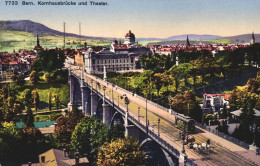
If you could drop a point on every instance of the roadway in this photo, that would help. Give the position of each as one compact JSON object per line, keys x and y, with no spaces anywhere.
{"x":222,"y":152}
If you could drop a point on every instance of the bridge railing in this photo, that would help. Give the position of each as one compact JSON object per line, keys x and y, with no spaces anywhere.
{"x":137,"y":96}
{"x":225,"y":136}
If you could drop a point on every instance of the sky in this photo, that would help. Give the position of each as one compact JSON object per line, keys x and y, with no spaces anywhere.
{"x":145,"y":18}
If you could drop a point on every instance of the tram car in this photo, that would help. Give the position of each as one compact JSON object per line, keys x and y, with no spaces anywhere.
{"x":185,"y":122}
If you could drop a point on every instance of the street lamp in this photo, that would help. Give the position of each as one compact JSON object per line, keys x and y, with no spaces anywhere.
{"x":183,"y":135}
{"x":138,"y":113}
{"x":253,"y":129}
{"x":159,"y":127}
{"x":91,"y":84}
{"x":127,"y":101}
{"x":113,"y":94}
{"x":104,"y":88}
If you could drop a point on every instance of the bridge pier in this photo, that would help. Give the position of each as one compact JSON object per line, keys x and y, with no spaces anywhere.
{"x":71,"y":82}
{"x":182,"y":159}
{"x":84,"y":98}
{"x":107,"y":114}
{"x":94,"y":103}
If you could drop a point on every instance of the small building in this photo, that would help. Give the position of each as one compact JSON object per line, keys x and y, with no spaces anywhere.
{"x":55,"y":157}
{"x":236,"y":114}
{"x":8,"y":74}
{"x":79,"y":59}
{"x":214,"y":102}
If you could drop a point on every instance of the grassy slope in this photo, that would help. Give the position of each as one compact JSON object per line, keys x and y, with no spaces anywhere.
{"x":10,"y":40}
{"x":43,"y":90}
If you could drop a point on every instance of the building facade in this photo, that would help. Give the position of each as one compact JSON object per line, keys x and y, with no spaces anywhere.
{"x":116,"y":58}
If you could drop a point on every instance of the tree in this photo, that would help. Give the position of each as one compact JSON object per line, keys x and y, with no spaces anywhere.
{"x":36,"y":99}
{"x":9,"y":138}
{"x":186,"y":104}
{"x":34,"y":77}
{"x":57,"y":101}
{"x":161,"y":79}
{"x":124,"y":151}
{"x":50,"y":100}
{"x":88,"y":136}
{"x":49,"y":60}
{"x":27,"y":97}
{"x":19,"y":80}
{"x":29,"y":119}
{"x":144,"y":82}
{"x":65,"y":127}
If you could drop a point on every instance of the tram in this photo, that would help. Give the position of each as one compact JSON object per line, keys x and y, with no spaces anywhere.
{"x":185,"y":122}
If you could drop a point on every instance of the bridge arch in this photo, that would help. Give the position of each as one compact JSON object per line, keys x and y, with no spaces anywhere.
{"x":117,"y":119}
{"x":99,"y":110}
{"x":155,"y":155}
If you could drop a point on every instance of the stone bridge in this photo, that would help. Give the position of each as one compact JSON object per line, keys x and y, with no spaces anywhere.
{"x":139,"y":119}
{"x":104,"y":102}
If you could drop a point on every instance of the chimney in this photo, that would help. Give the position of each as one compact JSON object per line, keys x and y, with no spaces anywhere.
{"x":30,"y":163}
{"x":65,"y":153}
{"x":76,"y":154}
{"x":43,"y":159}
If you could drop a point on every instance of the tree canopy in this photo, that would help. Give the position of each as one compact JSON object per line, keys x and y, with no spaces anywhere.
{"x":124,"y":151}
{"x":49,"y":60}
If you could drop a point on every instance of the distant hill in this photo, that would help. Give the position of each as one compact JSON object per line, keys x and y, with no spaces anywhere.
{"x":245,"y":38}
{"x":194,"y":37}
{"x":34,"y":27}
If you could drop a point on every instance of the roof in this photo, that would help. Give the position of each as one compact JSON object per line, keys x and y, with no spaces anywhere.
{"x":55,"y":157}
{"x":237,"y":112}
{"x":226,"y":96}
{"x":130,"y":34}
{"x":257,"y":112}
{"x":120,"y":47}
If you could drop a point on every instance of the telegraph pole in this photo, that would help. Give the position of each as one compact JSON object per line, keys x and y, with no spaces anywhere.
{"x":64,"y":34}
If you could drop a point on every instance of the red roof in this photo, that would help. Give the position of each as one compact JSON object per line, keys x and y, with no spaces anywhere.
{"x":226,"y":96}
{"x":120,"y":47}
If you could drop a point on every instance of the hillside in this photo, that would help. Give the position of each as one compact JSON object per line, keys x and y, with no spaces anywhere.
{"x":245,"y":38}
{"x":15,"y":40}
{"x":34,"y":27}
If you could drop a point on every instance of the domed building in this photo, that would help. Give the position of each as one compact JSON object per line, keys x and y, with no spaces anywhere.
{"x":129,"y":38}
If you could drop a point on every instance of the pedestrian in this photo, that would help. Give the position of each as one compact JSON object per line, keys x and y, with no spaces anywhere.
{"x":208,"y":141}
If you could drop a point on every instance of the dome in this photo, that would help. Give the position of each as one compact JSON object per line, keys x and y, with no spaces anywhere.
{"x":129,"y":34}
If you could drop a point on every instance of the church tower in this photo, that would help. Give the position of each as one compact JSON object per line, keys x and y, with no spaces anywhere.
{"x":38,"y":47}
{"x":252,"y":39}
{"x":187,"y":41}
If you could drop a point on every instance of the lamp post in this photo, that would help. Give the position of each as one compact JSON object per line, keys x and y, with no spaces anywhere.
{"x":113,"y":94}
{"x":253,"y":129}
{"x":91,"y":84}
{"x":139,"y":114}
{"x":183,"y":138}
{"x":159,"y":127}
{"x":127,"y":101}
{"x":104,"y":88}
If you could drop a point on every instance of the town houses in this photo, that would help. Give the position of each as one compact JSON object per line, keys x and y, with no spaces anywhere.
{"x":187,"y":47}
{"x":15,"y":63}
{"x":119,"y":56}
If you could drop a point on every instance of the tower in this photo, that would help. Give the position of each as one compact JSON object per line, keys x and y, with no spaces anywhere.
{"x":38,"y":47}
{"x":252,"y":39}
{"x":187,"y":41}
